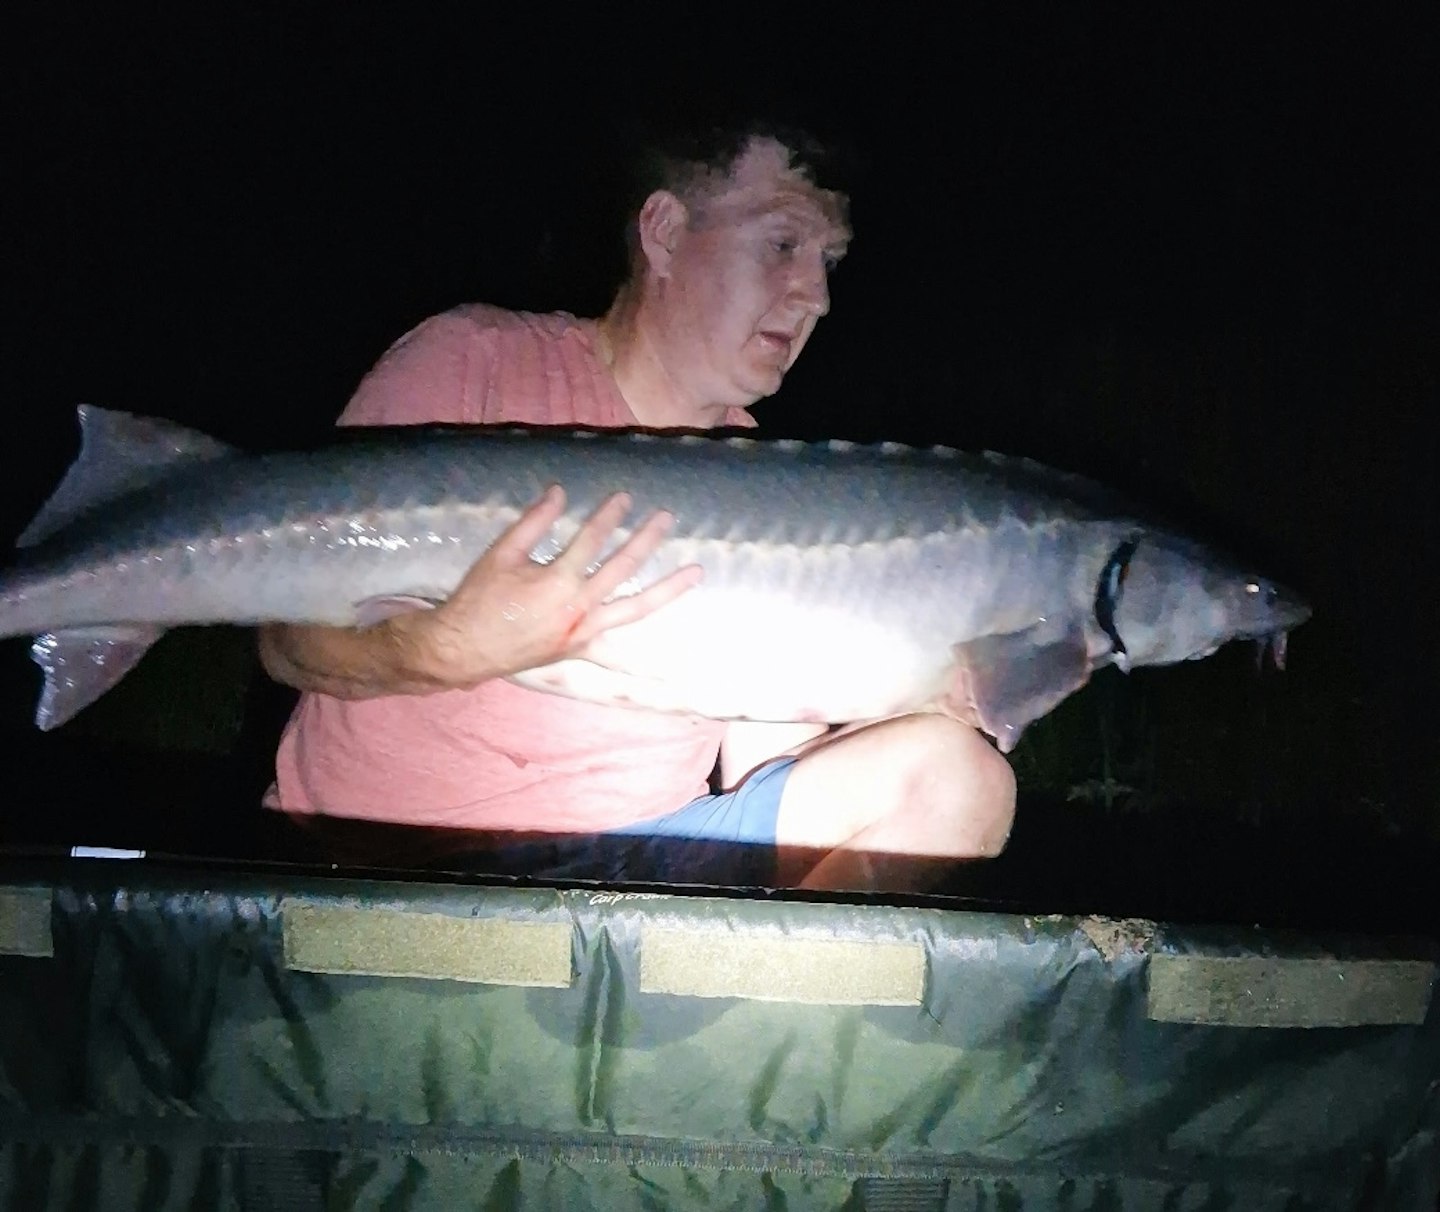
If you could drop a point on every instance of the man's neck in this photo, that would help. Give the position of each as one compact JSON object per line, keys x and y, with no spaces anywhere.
{"x":657,"y":401}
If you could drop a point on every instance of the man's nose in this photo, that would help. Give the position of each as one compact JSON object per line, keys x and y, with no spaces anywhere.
{"x":810,"y":286}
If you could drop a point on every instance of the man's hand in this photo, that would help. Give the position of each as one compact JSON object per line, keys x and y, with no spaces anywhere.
{"x":508,"y":614}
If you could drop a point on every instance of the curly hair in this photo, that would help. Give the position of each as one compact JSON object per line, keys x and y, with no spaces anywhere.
{"x":683,"y":161}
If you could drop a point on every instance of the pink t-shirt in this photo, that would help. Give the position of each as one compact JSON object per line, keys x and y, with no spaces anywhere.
{"x":497,"y":757}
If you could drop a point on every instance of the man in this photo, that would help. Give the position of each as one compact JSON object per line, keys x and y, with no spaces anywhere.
{"x":411,"y":720}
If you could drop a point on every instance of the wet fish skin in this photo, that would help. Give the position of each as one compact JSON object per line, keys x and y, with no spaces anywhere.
{"x":841,"y":582}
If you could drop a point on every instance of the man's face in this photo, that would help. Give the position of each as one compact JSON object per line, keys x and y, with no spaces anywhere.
{"x":748,"y":277}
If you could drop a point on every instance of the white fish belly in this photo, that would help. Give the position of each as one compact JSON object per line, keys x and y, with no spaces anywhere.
{"x":756,"y":656}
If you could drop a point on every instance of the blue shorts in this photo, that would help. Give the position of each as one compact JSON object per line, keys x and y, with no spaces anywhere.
{"x":725,"y":840}
{"x":746,"y":815}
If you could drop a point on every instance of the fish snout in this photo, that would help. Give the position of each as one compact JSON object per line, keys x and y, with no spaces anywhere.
{"x":1288,"y":608}
{"x":1282,"y":611}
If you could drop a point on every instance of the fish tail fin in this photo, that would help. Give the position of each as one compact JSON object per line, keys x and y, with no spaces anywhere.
{"x":119,"y":452}
{"x":82,"y":664}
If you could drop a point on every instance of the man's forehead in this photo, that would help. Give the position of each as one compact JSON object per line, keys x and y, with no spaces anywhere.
{"x":762,"y":182}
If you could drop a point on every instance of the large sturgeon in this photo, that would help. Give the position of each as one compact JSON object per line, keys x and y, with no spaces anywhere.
{"x":841,"y":582}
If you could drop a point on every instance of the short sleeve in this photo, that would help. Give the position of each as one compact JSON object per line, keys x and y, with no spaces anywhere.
{"x":438,"y":372}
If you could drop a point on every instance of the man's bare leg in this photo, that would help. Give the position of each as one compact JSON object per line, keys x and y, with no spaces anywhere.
{"x":888,"y":806}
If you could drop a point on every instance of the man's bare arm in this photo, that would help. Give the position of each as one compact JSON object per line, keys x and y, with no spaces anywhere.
{"x":343,"y":662}
{"x":508,"y":614}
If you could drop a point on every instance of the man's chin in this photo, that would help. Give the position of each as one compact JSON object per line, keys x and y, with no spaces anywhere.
{"x":763,"y":381}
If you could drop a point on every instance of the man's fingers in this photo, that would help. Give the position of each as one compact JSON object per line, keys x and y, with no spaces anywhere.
{"x":536,"y":523}
{"x":626,"y":561}
{"x":512,"y":549}
{"x":565,"y":588}
{"x":591,"y":538}
{"x":530,"y":527}
{"x":636,"y":606}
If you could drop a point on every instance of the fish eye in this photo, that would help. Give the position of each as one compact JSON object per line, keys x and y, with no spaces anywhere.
{"x":1252,"y":587}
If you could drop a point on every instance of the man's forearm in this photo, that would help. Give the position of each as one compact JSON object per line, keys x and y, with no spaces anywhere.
{"x":343,"y":662}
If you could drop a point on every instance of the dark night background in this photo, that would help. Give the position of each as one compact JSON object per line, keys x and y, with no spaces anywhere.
{"x":1190,"y":252}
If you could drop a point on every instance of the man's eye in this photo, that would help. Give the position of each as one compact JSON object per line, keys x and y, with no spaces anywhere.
{"x":784,"y":245}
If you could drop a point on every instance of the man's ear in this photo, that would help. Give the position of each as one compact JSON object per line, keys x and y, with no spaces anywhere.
{"x":662,"y":222}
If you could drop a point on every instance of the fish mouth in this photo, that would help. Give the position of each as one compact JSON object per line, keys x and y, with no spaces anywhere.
{"x":1276,"y":644}
{"x":1289,"y":611}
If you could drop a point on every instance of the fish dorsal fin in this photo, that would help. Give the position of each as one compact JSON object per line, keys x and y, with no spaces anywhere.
{"x":119,"y":452}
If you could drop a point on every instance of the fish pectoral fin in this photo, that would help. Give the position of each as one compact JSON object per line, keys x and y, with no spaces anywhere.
{"x":377,"y":610}
{"x":1008,"y":682}
{"x":83,"y":664}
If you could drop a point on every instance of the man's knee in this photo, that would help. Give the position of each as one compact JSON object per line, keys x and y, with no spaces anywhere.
{"x":963,"y":785}
{"x":927,"y":783}
{"x":992,"y":815}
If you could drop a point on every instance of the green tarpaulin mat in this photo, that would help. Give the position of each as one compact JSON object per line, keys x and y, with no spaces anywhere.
{"x":253,"y":1040}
